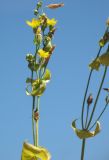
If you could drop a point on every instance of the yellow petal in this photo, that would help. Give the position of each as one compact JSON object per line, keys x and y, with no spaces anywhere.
{"x":31,"y":152}
{"x":82,"y":134}
{"x":51,"y":22}
{"x":43,"y":53}
{"x":95,"y":64}
{"x":104,"y":59}
{"x":34,"y":23}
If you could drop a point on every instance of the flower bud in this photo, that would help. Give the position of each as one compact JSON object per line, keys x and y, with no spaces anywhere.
{"x":39,"y":39}
{"x":90,"y":100}
{"x":39,"y":5}
{"x":36,"y":12}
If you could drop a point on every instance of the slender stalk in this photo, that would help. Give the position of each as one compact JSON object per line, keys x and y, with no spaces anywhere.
{"x":88,"y":82}
{"x":83,"y":149}
{"x":87,"y":115}
{"x":99,"y":116}
{"x":33,"y":120}
{"x":97,"y":97}
{"x":37,"y":123}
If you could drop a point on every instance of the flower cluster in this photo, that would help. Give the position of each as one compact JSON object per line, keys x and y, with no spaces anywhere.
{"x":43,"y":29}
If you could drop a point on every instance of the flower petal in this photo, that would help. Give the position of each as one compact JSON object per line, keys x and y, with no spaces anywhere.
{"x":43,"y":53}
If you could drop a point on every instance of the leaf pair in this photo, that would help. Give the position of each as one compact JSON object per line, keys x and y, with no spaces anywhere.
{"x":102,"y":60}
{"x":83,"y":134}
{"x":38,"y":85}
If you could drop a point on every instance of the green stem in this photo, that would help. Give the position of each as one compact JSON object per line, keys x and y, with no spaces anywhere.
{"x":88,"y":82}
{"x":87,"y":116}
{"x":83,"y":149}
{"x":97,"y":97}
{"x":37,"y":123}
{"x":33,"y":120}
{"x":99,"y":116}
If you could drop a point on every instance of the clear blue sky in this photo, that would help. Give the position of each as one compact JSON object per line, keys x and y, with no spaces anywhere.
{"x":81,"y":23}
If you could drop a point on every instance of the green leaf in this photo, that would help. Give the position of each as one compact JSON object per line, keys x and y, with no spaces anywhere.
{"x":38,"y":88}
{"x":83,"y":134}
{"x":47,"y":76}
{"x":31,"y":152}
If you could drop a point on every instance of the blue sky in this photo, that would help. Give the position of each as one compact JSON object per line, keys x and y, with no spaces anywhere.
{"x":80,"y":26}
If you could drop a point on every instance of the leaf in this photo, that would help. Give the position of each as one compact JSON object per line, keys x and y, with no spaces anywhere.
{"x":104,"y":59}
{"x":30,"y":152}
{"x":47,"y":76}
{"x":38,"y":87}
{"x":95,"y":64}
{"x":82,"y":134}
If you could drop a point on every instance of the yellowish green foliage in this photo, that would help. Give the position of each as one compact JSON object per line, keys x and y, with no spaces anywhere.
{"x":31,"y":152}
{"x":82,"y":134}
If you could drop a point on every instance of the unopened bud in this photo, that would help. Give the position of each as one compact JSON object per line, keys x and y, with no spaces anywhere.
{"x":90,"y":100}
{"x":36,"y":12}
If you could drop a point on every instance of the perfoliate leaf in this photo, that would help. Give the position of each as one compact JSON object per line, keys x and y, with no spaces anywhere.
{"x":38,"y":87}
{"x":95,"y":64}
{"x":47,"y":76}
{"x":82,"y":134}
{"x":30,"y":152}
{"x":104,"y":59}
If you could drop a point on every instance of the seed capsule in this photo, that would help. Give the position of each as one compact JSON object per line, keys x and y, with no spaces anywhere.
{"x":54,"y":6}
{"x":90,"y":100}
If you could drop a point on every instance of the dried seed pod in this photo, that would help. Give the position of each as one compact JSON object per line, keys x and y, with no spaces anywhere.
{"x":106,"y":89}
{"x":54,"y":6}
{"x":107,"y":99}
{"x":90,"y":100}
{"x":36,"y":115}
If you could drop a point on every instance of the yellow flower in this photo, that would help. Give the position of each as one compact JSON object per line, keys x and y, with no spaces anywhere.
{"x":31,"y":152}
{"x":34,"y":23}
{"x":51,"y":22}
{"x":43,"y":53}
